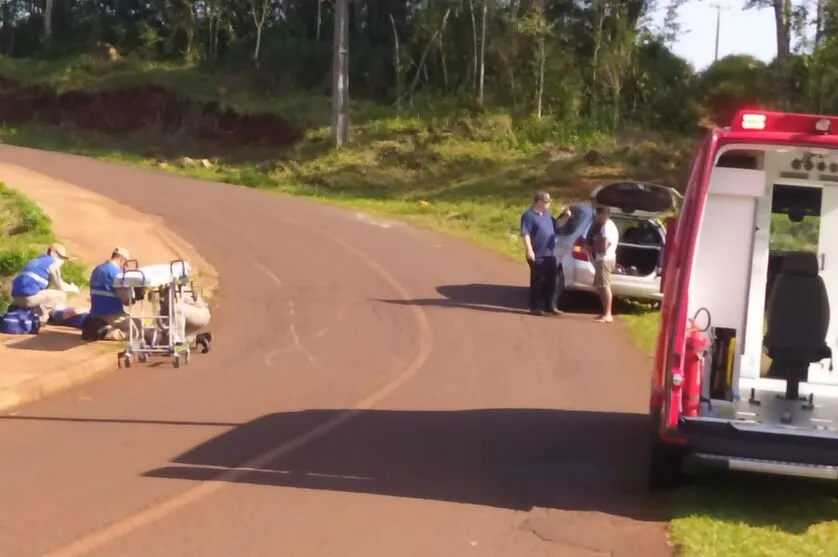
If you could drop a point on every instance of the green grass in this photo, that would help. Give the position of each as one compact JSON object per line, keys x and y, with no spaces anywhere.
{"x":465,"y":172}
{"x":753,"y":516}
{"x":25,"y":232}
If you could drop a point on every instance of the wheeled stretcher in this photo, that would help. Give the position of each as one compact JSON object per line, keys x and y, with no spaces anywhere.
{"x":139,"y":287}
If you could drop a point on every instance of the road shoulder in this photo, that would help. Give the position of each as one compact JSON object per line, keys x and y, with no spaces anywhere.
{"x":90,"y":226}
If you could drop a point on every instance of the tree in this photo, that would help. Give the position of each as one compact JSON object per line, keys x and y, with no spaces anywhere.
{"x":616,"y":59}
{"x":259,"y":21}
{"x":534,"y":25}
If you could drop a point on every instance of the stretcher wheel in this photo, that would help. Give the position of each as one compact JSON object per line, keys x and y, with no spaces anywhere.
{"x":176,"y":361}
{"x":126,"y":361}
{"x":142,"y":357}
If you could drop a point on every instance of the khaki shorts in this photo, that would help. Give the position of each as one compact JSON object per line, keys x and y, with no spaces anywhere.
{"x":120,"y":326}
{"x":44,"y":301}
{"x":602,"y":274}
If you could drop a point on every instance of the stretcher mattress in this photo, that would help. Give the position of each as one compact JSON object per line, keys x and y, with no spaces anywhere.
{"x":152,"y":276}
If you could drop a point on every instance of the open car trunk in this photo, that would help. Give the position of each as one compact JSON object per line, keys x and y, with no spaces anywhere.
{"x":640,"y":250}
{"x":636,"y":207}
{"x":635,"y":198}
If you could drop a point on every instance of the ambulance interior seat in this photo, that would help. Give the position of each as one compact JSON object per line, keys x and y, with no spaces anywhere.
{"x":797,"y":321}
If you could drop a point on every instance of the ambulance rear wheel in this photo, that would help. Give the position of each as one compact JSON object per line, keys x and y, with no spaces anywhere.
{"x":666,"y":466}
{"x":666,"y":461}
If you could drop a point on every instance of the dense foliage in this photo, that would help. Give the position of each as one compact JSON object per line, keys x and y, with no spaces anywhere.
{"x":600,"y":62}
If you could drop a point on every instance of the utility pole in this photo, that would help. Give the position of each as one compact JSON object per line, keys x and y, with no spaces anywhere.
{"x":718,"y":9}
{"x":340,"y":74}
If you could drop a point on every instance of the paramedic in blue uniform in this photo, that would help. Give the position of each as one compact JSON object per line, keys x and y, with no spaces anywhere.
{"x":39,"y":285}
{"x":104,"y":302}
{"x":538,"y":232}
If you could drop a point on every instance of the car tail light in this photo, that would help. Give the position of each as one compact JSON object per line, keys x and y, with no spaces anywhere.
{"x":580,"y":250}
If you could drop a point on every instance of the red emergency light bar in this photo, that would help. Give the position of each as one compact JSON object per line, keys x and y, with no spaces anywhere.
{"x":806,"y":124}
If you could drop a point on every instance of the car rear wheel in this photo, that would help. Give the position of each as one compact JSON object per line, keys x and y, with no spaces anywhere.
{"x":564,"y":298}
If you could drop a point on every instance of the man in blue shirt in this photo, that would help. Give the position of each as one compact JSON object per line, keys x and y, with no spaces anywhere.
{"x":39,"y":285}
{"x":105,"y":303}
{"x":538,"y":232}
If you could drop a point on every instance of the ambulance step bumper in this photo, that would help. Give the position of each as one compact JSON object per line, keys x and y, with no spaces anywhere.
{"x":773,"y":467}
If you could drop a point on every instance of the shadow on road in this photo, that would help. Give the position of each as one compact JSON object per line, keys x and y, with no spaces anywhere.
{"x":49,"y":341}
{"x":509,"y":458}
{"x":505,"y":298}
{"x":515,"y":459}
{"x":496,"y":298}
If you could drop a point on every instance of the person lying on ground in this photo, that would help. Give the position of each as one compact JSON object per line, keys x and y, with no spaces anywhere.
{"x":39,"y":284}
{"x":106,"y":302}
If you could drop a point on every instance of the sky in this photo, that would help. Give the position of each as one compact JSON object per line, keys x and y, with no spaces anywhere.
{"x":741,"y":32}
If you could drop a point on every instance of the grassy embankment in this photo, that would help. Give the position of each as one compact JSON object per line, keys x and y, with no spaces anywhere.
{"x":435,"y":164}
{"x":464,"y":172}
{"x":25,"y":232}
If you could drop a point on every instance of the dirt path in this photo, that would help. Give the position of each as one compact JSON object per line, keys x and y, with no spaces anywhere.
{"x":374,"y":390}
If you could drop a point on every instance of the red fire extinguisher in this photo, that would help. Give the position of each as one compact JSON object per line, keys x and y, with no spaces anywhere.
{"x":696,"y":347}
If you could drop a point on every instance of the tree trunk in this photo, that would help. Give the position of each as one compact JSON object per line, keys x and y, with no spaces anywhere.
{"x":320,"y":18}
{"x":48,"y":9}
{"x":397,"y":65}
{"x":444,"y":64}
{"x":598,"y":24}
{"x":473,"y":46}
{"x":542,"y":56}
{"x":431,"y":42}
{"x":618,"y":90}
{"x":259,"y":21}
{"x":340,"y":74}
{"x":481,"y":79}
{"x":782,"y":16}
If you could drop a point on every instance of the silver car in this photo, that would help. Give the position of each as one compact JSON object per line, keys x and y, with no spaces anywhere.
{"x":636,"y":210}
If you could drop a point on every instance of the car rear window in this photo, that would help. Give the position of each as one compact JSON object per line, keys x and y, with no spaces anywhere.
{"x":572,"y":223}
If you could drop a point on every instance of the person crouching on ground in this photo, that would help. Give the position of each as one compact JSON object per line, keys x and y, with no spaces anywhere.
{"x":538,"y":232}
{"x":603,"y":245}
{"x":196,"y":316}
{"x":105,"y":303}
{"x":39,"y":285}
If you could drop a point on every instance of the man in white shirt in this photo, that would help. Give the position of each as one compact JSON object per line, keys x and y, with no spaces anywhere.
{"x":604,"y":242}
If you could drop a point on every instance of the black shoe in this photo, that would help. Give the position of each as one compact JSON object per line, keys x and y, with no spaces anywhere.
{"x":204,"y":340}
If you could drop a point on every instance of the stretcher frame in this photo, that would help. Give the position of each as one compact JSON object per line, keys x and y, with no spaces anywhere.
{"x":150,"y":319}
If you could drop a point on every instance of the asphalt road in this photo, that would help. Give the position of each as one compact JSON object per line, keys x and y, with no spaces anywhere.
{"x":374,"y":390}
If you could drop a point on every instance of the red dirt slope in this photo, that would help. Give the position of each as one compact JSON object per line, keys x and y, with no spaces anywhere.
{"x":131,"y":110}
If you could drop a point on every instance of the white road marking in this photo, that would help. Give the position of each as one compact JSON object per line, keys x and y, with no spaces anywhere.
{"x":268,"y":272}
{"x":381,"y":223}
{"x":295,"y":336}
